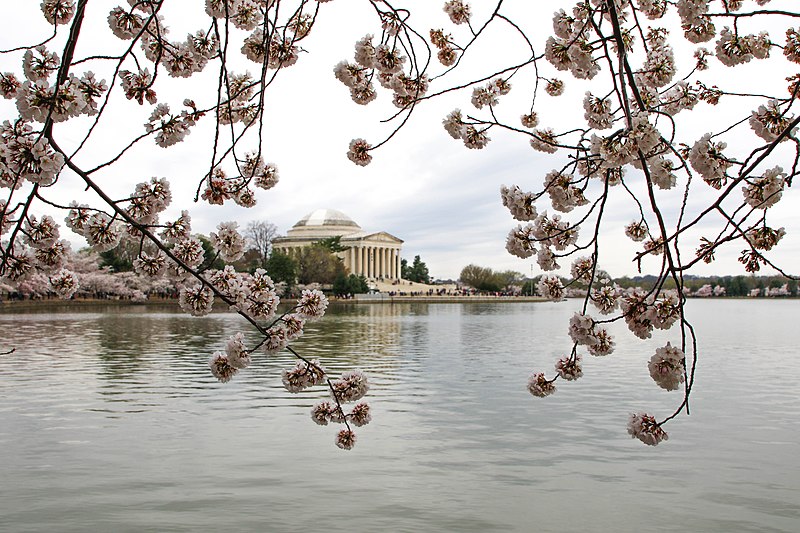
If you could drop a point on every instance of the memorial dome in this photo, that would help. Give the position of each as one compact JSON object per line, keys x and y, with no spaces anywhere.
{"x":324,"y":223}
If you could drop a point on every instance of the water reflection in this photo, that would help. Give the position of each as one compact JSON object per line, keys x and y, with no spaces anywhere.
{"x":114,"y":423}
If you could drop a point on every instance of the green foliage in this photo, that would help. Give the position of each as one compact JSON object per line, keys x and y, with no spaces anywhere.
{"x":351,"y":284}
{"x":486,"y":279}
{"x":115,"y":261}
{"x":281,"y":268}
{"x":316,"y":264}
{"x":332,"y":244}
{"x":529,"y":287}
{"x":358,"y":284}
{"x":120,"y":259}
{"x":508,"y":278}
{"x":211,"y":260}
{"x":417,"y":272}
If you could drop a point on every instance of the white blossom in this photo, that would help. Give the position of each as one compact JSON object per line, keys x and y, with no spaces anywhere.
{"x":667,"y":367}
{"x":539,"y":386}
{"x":352,"y":386}
{"x":303,"y":375}
{"x":645,"y":428}
{"x":569,"y":368}
{"x":64,"y":283}
{"x":764,"y":192}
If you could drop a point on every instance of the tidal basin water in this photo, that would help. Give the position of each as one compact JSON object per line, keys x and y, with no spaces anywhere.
{"x":111,"y":421}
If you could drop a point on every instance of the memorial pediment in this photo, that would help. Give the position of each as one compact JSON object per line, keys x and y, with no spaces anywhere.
{"x":382,"y":236}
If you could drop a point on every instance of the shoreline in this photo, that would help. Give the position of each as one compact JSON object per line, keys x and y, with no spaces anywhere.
{"x":19,"y":305}
{"x":363,"y":299}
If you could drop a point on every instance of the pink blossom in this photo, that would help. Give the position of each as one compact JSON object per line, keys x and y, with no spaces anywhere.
{"x":352,"y":386}
{"x":569,"y":367}
{"x":359,"y":152}
{"x":539,"y":386}
{"x":667,"y":367}
{"x":645,"y":428}
{"x":312,"y":304}
{"x":345,"y":439}
{"x":197,"y":300}
{"x":238,"y":356}
{"x":303,"y":375}
{"x":221,"y":367}
{"x":458,"y":11}
{"x":58,"y":11}
{"x":323,"y":412}
{"x":360,"y":414}
{"x":64,"y":284}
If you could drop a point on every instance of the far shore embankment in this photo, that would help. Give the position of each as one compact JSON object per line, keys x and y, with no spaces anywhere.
{"x":371,"y":299}
{"x":424,"y":298}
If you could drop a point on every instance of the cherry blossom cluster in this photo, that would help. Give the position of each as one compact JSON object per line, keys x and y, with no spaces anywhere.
{"x":627,"y":144}
{"x":645,"y":428}
{"x":350,"y":387}
{"x":49,"y":89}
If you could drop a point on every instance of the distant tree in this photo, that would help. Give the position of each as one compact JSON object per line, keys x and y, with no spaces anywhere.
{"x":357,"y":284}
{"x":509,"y":278}
{"x":340,"y":285}
{"x":529,"y":287}
{"x":333,"y":244}
{"x":211,"y":259}
{"x":479,"y":277}
{"x":120,"y":259}
{"x":351,"y":284}
{"x":260,"y":235}
{"x":115,"y":261}
{"x":281,"y":268}
{"x":316,"y":264}
{"x":250,"y":261}
{"x":486,"y":279}
{"x":792,"y":286}
{"x":417,"y":272}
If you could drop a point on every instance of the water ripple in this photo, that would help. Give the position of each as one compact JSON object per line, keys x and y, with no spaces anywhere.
{"x":113,"y":422}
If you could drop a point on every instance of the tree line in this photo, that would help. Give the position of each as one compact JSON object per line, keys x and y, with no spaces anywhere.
{"x":489,"y":280}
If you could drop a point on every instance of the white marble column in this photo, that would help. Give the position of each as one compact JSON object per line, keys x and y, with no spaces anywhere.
{"x":363,"y":261}
{"x":351,"y":263}
{"x":399,"y":265}
{"x":371,"y":258}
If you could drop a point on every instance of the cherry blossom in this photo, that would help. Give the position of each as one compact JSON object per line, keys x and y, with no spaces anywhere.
{"x":645,"y":428}
{"x":539,"y":386}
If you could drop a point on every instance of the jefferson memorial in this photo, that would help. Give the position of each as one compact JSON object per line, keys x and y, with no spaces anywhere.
{"x":373,"y":255}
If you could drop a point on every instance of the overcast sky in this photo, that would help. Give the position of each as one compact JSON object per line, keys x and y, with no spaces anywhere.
{"x":423,"y":187}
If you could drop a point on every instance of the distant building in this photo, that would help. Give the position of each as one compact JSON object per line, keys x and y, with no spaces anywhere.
{"x":373,"y":255}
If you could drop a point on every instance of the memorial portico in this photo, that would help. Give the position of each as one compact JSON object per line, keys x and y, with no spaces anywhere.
{"x":373,"y":255}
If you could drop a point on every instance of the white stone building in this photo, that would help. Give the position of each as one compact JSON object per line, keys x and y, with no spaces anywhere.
{"x":373,"y":255}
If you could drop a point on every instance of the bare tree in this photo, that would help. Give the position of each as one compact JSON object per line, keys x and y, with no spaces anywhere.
{"x":260,"y":235}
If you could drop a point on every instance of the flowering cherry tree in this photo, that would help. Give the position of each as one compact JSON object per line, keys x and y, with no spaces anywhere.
{"x":642,"y":142}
